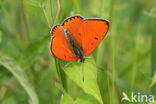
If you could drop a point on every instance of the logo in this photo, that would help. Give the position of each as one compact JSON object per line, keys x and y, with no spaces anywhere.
{"x":138,"y":97}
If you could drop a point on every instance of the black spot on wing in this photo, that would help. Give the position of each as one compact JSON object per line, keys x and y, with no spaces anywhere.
{"x":95,"y":38}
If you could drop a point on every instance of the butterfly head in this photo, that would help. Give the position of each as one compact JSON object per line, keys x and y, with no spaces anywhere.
{"x":82,"y":60}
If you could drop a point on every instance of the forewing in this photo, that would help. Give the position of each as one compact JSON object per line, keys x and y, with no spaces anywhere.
{"x":93,"y":30}
{"x":59,"y":45}
{"x":73,"y":24}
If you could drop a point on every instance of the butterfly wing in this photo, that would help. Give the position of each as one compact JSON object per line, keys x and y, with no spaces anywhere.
{"x":59,"y":45}
{"x":73,"y":25}
{"x":93,"y":30}
{"x":87,"y":33}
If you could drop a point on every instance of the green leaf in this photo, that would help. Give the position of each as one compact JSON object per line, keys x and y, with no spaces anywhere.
{"x":66,"y":99}
{"x":81,"y":99}
{"x":60,"y":87}
{"x":75,"y":72}
{"x":85,"y":99}
{"x":20,"y":75}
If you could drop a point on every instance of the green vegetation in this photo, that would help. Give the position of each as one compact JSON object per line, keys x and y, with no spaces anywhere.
{"x":125,"y":61}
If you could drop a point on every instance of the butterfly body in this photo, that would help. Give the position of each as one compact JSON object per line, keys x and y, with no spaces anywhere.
{"x":77,"y":37}
{"x":75,"y":48}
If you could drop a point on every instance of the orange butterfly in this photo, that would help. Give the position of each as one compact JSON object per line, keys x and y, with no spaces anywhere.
{"x":77,"y":37}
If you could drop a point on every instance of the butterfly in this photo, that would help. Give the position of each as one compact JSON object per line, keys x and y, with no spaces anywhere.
{"x":77,"y":37}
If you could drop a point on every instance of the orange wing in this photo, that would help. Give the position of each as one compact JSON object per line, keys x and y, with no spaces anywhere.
{"x":87,"y":33}
{"x":94,"y":30}
{"x":59,"y":45}
{"x":73,"y":25}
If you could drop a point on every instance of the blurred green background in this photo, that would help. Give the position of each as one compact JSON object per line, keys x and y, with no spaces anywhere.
{"x":125,"y":60}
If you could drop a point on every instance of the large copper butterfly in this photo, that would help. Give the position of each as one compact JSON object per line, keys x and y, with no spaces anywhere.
{"x":77,"y":37}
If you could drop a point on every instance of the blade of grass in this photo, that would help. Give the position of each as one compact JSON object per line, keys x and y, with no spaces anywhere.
{"x":153,"y":47}
{"x":77,"y":6}
{"x":24,"y":18}
{"x":113,"y":45}
{"x":0,"y":36}
{"x":46,"y":17}
{"x":61,"y":73}
{"x":58,"y":11}
{"x":20,"y":75}
{"x":153,"y":56}
{"x":51,"y":11}
{"x":135,"y":62}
